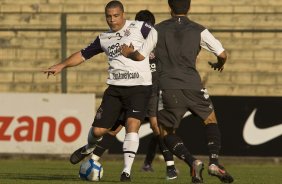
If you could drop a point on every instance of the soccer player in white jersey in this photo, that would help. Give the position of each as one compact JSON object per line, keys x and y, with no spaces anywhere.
{"x":129,"y":83}
{"x":155,"y":141}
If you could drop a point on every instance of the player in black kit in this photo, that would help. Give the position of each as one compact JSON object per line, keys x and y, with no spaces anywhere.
{"x":179,"y":43}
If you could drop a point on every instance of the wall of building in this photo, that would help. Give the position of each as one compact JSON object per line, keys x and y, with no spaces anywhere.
{"x":30,"y":41}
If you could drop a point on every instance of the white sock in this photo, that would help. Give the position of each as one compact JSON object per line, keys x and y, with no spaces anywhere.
{"x":130,"y":147}
{"x":95,"y":157}
{"x":169,"y":163}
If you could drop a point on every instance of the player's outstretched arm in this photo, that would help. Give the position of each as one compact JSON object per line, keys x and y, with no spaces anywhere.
{"x":74,"y":60}
{"x":221,"y":60}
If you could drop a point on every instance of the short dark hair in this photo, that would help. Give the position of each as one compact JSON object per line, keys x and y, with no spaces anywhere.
{"x":146,"y":16}
{"x":179,"y":6}
{"x":114,"y":4}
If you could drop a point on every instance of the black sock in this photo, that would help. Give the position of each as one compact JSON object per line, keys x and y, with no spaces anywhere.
{"x":151,"y":152}
{"x":168,"y":156}
{"x":99,"y":151}
{"x":177,"y":147}
{"x":103,"y":145}
{"x":214,"y":142}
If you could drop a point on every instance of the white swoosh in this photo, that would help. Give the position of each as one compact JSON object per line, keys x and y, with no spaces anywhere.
{"x":144,"y":130}
{"x":255,"y":136}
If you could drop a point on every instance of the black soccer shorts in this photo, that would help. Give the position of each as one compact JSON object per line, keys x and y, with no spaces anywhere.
{"x":176,"y":102}
{"x":132,"y":101}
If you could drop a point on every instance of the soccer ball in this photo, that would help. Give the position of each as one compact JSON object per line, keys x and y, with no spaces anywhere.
{"x":91,"y":170}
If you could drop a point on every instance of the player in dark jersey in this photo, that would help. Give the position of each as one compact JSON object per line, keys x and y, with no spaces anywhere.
{"x":182,"y":88}
{"x":179,"y":42}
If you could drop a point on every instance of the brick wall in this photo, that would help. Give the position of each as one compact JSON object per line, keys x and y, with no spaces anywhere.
{"x":251,"y":32}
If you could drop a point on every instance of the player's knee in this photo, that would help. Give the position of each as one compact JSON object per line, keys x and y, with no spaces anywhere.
{"x":99,"y":132}
{"x":132,"y":125}
{"x":166,"y":130}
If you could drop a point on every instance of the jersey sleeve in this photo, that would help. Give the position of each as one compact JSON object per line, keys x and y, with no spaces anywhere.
{"x":149,"y":43}
{"x":91,"y":50}
{"x":210,"y":43}
{"x":145,"y":29}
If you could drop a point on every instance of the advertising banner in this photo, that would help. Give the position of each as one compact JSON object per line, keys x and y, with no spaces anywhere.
{"x":44,"y":123}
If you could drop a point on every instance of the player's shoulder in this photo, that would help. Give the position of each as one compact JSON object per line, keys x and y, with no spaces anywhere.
{"x":135,"y":24}
{"x":187,"y":23}
{"x":197,"y":25}
{"x":163,"y":23}
{"x":106,"y":34}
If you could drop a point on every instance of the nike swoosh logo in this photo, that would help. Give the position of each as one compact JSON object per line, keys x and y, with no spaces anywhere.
{"x":256,"y":136}
{"x":144,"y":130}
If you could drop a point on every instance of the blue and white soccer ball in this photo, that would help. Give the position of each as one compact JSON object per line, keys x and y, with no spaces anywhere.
{"x":91,"y":170}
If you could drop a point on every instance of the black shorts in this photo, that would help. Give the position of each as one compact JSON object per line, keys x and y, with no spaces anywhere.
{"x":121,"y":121}
{"x":132,"y":101}
{"x":176,"y":102}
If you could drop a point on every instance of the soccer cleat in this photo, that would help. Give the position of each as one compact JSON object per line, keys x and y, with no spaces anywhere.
{"x":125,"y":177}
{"x":80,"y":154}
{"x":171,"y":173}
{"x":196,"y":171}
{"x":220,"y":172}
{"x":147,"y":168}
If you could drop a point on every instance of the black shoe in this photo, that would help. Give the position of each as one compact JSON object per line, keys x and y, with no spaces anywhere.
{"x":220,"y":172}
{"x":171,"y":173}
{"x":80,"y":154}
{"x":196,"y":171}
{"x":125,"y":177}
{"x":147,"y":168}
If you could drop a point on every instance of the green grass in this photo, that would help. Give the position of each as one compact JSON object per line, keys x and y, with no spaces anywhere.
{"x":18,"y":171}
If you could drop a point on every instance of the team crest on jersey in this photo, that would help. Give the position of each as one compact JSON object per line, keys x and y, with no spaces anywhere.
{"x":127,"y":32}
{"x":99,"y":113}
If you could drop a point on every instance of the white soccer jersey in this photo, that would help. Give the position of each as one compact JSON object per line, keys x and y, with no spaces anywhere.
{"x":123,"y":71}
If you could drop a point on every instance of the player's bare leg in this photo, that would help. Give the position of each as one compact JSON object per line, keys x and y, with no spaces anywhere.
{"x":152,"y":146}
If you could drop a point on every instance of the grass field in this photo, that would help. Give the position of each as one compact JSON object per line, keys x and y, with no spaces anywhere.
{"x":35,"y":171}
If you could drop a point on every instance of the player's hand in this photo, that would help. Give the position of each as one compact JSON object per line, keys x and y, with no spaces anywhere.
{"x":53,"y":70}
{"x":217,"y":66}
{"x":126,"y":50}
